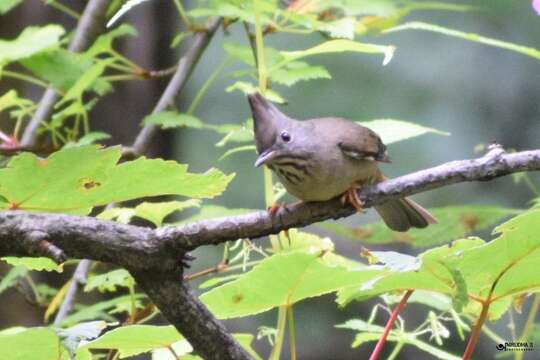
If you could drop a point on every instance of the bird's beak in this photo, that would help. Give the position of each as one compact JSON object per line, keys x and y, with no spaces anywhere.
{"x":266,"y":156}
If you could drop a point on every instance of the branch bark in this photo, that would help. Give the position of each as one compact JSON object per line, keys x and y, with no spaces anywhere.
{"x":182,"y":309}
{"x":142,"y":248}
{"x":91,"y":24}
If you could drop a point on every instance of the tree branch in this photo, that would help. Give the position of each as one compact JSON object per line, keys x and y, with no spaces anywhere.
{"x":183,"y":71}
{"x":204,"y":332}
{"x":89,"y":27}
{"x":154,"y":256}
{"x":136,"y":247}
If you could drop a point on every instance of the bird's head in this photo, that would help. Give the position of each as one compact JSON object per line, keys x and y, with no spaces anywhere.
{"x":274,"y":131}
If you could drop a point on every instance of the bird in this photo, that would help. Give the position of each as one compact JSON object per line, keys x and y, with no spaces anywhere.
{"x":323,"y":158}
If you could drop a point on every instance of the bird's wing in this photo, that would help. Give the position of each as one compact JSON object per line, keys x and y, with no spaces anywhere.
{"x":360,"y":143}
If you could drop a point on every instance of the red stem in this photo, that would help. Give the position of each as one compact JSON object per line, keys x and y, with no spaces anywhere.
{"x":476,"y":331}
{"x":382,"y":340}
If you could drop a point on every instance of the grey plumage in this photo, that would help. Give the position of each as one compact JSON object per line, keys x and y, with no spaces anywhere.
{"x":322,"y":158}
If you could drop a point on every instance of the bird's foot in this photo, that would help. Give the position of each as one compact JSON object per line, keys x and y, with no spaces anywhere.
{"x":273,"y":210}
{"x":351,"y":196}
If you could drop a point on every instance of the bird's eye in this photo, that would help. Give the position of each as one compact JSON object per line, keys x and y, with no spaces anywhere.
{"x":285,"y":136}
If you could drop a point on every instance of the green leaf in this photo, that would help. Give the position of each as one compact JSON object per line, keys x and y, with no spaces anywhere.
{"x":393,"y":260}
{"x":454,"y":222}
{"x":89,"y":80}
{"x":10,"y":99}
{"x":98,"y":310}
{"x":8,"y":5}
{"x":157,"y":212}
{"x":282,"y":279}
{"x":11,"y":277}
{"x":121,"y":215}
{"x":248,"y":88}
{"x":38,"y":264}
{"x":38,"y":343}
{"x":172,"y":119}
{"x":392,"y":131}
{"x":416,"y":25}
{"x":341,"y":28}
{"x":103,"y":43}
{"x":91,"y":138}
{"x":337,"y":46}
{"x":298,"y":71}
{"x":493,"y":272}
{"x":110,"y":281}
{"x":31,"y":41}
{"x":153,"y":212}
{"x":76,"y":179}
{"x":136,"y":339}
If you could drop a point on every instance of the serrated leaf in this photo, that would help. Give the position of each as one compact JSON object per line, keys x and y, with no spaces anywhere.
{"x":337,"y":46}
{"x":31,"y":41}
{"x":392,"y":131}
{"x":282,"y":279}
{"x":394,"y":261}
{"x":60,"y":67}
{"x":76,"y":179}
{"x":121,"y":215}
{"x":248,"y":88}
{"x":417,"y":25}
{"x":91,"y":138}
{"x":110,"y":281}
{"x":341,"y":28}
{"x":298,"y":71}
{"x":103,"y":43}
{"x":38,"y":263}
{"x":8,"y":5}
{"x":99,"y":310}
{"x":136,"y":339}
{"x":157,"y":212}
{"x":172,"y":119}
{"x":89,"y":80}
{"x":454,"y":222}
{"x":22,"y":344}
{"x":494,"y":271}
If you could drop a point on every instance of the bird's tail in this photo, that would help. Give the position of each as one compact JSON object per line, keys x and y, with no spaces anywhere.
{"x":403,"y":214}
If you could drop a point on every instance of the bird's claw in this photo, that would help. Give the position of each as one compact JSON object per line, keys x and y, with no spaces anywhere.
{"x":351,"y":197}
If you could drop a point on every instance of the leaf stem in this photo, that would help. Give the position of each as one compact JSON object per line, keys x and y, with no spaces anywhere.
{"x":204,"y":88}
{"x":292,"y":332}
{"x":61,"y":7}
{"x":476,"y":331}
{"x":182,"y":13}
{"x":397,"y":349}
{"x":23,"y":77}
{"x":281,"y":322}
{"x":380,"y":344}
{"x":529,"y":324}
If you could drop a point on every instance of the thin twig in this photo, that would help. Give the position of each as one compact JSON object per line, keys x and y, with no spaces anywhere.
{"x":77,"y":280}
{"x":382,"y":340}
{"x":90,"y":25}
{"x":176,"y":84}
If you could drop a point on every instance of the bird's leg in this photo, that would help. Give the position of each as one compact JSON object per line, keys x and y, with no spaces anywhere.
{"x":351,"y":196}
